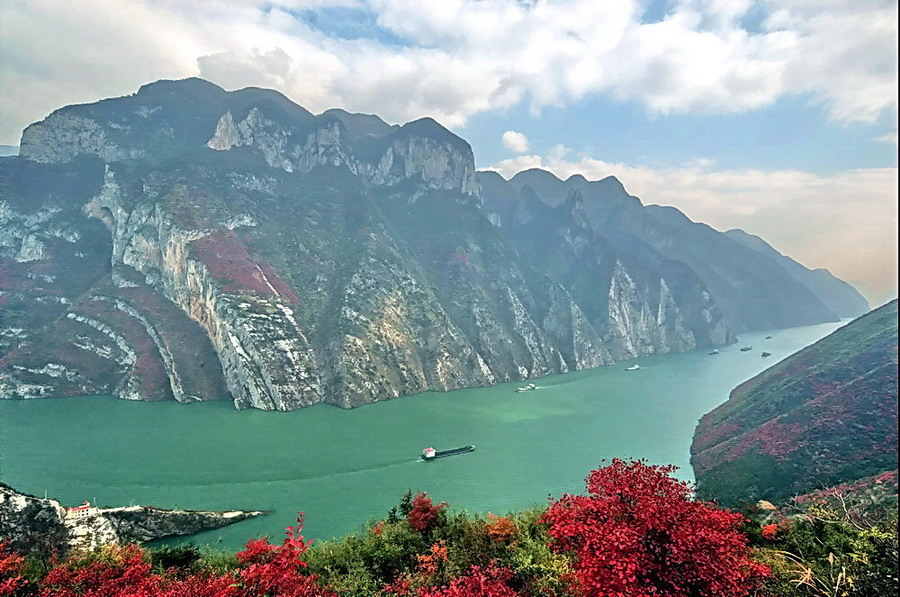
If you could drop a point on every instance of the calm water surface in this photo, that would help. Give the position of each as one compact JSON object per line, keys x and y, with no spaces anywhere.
{"x":344,"y":468}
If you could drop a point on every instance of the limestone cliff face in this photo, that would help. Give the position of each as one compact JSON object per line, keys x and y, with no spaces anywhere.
{"x":231,"y":245}
{"x":29,"y":523}
{"x":630,"y":306}
{"x":436,"y":163}
{"x":639,"y":327}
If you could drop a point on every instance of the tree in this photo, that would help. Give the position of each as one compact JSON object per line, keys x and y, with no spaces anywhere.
{"x":639,"y":533}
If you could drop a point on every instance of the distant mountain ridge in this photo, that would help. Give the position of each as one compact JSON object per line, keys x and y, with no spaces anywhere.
{"x":755,"y":287}
{"x":824,"y":416}
{"x":839,"y":296}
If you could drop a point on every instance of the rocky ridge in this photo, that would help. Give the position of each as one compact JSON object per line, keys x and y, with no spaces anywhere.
{"x":754,"y":286}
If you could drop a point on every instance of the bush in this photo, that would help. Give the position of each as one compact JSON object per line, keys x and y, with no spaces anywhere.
{"x":822,"y":550}
{"x":638,"y":532}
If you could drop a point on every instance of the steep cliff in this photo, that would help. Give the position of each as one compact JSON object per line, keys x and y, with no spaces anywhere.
{"x":755,"y":288}
{"x":190,"y":243}
{"x":29,"y":523}
{"x":826,"y":415}
{"x":637,"y":306}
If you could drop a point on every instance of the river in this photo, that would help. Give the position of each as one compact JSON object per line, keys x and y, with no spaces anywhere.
{"x":343,"y":468}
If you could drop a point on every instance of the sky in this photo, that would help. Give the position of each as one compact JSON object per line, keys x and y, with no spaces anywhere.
{"x":775,"y":116}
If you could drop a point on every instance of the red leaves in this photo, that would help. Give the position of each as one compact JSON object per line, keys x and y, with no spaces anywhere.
{"x":275,"y":569}
{"x":124,"y":572}
{"x":117,"y":571}
{"x":11,"y":566}
{"x":479,"y":582}
{"x":226,"y":256}
{"x":639,"y":533}
{"x":769,"y":531}
{"x":423,"y":513}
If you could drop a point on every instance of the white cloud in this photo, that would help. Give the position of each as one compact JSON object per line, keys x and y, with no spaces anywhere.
{"x":459,"y":57}
{"x":846,"y":223}
{"x":515,"y":141}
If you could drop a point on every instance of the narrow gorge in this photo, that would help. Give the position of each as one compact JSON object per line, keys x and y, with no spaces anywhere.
{"x":187,"y":243}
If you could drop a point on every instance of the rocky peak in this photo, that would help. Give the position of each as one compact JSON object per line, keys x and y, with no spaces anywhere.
{"x":575,"y":206}
{"x":169,"y":119}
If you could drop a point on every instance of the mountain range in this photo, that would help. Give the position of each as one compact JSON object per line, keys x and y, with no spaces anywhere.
{"x":190,"y":243}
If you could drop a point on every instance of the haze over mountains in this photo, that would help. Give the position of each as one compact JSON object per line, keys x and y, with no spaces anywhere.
{"x":190,"y":243}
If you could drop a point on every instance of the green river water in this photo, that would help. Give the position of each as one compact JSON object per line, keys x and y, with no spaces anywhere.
{"x":343,"y":468}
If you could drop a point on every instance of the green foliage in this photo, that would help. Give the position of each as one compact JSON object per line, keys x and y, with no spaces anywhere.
{"x":823,"y":552}
{"x":179,"y":557}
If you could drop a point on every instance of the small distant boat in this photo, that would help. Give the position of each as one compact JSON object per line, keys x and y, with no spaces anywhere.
{"x":768,"y":337}
{"x":746,"y":349}
{"x":432,"y":454}
{"x":766,"y":354}
{"x":714,"y":351}
{"x":527,"y":388}
{"x":633,"y":368}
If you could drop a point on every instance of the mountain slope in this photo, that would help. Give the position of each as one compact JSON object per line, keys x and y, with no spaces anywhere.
{"x":752,"y":289}
{"x":560,"y":241}
{"x":839,"y":296}
{"x":824,"y":416}
{"x":190,"y":243}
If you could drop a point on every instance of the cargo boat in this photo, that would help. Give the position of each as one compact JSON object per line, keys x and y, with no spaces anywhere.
{"x":432,"y":454}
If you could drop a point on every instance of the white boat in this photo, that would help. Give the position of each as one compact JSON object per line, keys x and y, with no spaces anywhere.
{"x":633,"y":368}
{"x":714,"y":351}
{"x":527,"y":388}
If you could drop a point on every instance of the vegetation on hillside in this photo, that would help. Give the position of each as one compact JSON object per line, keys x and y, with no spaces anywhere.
{"x":636,"y":532}
{"x":824,"y":416}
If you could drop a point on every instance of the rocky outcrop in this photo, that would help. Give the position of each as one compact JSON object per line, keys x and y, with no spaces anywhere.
{"x":240,"y":247}
{"x":29,"y":523}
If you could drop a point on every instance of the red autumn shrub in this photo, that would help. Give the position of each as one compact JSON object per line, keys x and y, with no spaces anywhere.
{"x":429,"y":563}
{"x":423,"y":512}
{"x":479,"y":582}
{"x":116,"y":571}
{"x":275,"y":569}
{"x":11,"y":566}
{"x":769,"y":531}
{"x":639,"y":533}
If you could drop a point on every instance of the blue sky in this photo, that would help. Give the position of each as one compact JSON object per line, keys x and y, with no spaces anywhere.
{"x":792,"y":133}
{"x":776,"y":116}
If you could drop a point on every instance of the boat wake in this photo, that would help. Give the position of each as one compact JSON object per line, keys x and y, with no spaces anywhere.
{"x":278,"y":479}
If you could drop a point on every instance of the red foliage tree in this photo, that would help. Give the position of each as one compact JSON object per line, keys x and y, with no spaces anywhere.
{"x":638,"y":533}
{"x":423,"y":512}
